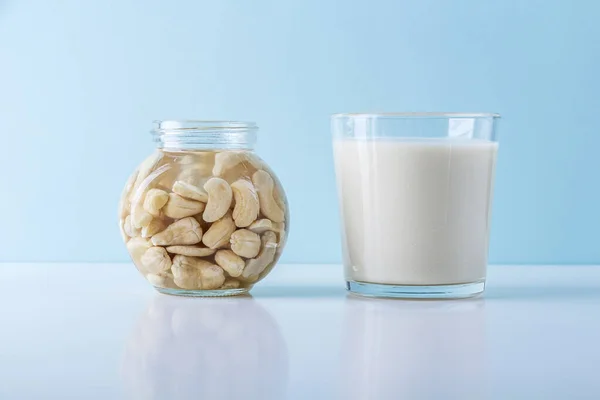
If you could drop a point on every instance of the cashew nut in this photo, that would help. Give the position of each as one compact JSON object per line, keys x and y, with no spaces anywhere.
{"x":155,"y":200}
{"x":155,"y":226}
{"x":199,"y":158}
{"x":230,"y":262}
{"x":264,"y":184}
{"x":129,"y":229}
{"x":219,"y":233}
{"x":245,"y":243}
{"x":140,"y":217}
{"x":196,"y":175}
{"x":124,"y":202}
{"x":263,"y":225}
{"x":211,"y":276}
{"x":146,"y":167}
{"x":195,"y":167}
{"x":195,"y":251}
{"x":178,"y":207}
{"x":255,"y":266}
{"x":185,"y":272}
{"x":226,"y":160}
{"x":162,"y":279}
{"x":194,"y":273}
{"x":184,"y":231}
{"x":246,"y":203}
{"x":136,"y":247}
{"x":190,"y":191}
{"x":279,"y":196}
{"x":219,"y":199}
{"x":230,"y":284}
{"x":156,"y":260}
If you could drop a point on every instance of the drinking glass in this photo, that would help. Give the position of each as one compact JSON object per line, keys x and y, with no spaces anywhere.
{"x":415,"y":193}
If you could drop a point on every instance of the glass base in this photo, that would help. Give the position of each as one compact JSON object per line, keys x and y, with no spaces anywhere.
{"x":204,"y":293}
{"x":456,"y":291}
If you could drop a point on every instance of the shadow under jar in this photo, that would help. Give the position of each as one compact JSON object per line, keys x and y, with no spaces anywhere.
{"x":204,"y":215}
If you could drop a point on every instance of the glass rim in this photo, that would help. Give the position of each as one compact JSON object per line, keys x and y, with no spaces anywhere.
{"x":425,"y":114}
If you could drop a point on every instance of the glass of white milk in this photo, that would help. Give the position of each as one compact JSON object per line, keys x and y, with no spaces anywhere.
{"x":415,"y":194}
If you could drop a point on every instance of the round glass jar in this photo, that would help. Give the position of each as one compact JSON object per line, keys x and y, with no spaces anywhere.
{"x":204,"y":215}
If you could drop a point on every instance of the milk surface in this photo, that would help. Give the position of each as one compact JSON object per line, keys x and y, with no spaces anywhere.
{"x":415,"y":212}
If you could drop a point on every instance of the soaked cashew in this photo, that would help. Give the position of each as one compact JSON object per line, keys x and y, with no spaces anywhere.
{"x":246,"y":203}
{"x":230,"y":284}
{"x":226,"y":160}
{"x":278,"y":195}
{"x":146,"y":167}
{"x":190,"y":191}
{"x":245,"y":243}
{"x":124,"y":202}
{"x":140,"y":217}
{"x":196,"y":167}
{"x":195,"y":251}
{"x":184,"y":231}
{"x":194,"y":273}
{"x":179,"y":207}
{"x":263,"y":225}
{"x":162,"y":279}
{"x":255,"y":266}
{"x":155,"y":226}
{"x":219,"y":199}
{"x":230,"y":262}
{"x":136,"y":247}
{"x":211,"y":276}
{"x":156,"y":260}
{"x":219,"y":233}
{"x":195,"y":175}
{"x":185,"y":272}
{"x":186,"y":159}
{"x":129,"y":229}
{"x":155,"y":200}
{"x":264,"y":185}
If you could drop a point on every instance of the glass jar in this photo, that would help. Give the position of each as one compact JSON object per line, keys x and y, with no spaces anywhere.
{"x":204,"y":215}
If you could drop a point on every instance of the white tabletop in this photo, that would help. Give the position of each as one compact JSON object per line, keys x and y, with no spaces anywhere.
{"x":99,"y":331}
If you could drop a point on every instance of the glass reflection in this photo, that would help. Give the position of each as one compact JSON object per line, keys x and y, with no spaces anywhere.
{"x":413,"y":350}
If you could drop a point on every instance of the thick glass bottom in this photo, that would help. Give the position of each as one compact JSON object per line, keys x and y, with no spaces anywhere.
{"x":204,"y":293}
{"x":456,"y":291}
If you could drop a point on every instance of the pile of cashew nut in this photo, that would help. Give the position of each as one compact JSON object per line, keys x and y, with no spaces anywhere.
{"x":204,"y":221}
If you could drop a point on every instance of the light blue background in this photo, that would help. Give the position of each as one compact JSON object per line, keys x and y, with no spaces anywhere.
{"x":81,"y":81}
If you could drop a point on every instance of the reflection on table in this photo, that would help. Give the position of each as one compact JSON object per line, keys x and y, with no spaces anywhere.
{"x":226,"y":348}
{"x":413,"y":350}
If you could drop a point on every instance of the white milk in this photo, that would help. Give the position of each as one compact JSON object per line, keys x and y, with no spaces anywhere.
{"x":415,"y":212}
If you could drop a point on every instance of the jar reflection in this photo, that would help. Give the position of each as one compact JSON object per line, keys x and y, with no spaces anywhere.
{"x":413,"y":350}
{"x":215,"y":348}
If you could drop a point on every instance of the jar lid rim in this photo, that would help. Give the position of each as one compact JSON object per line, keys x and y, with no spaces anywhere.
{"x":163,"y":126}
{"x":204,"y":134}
